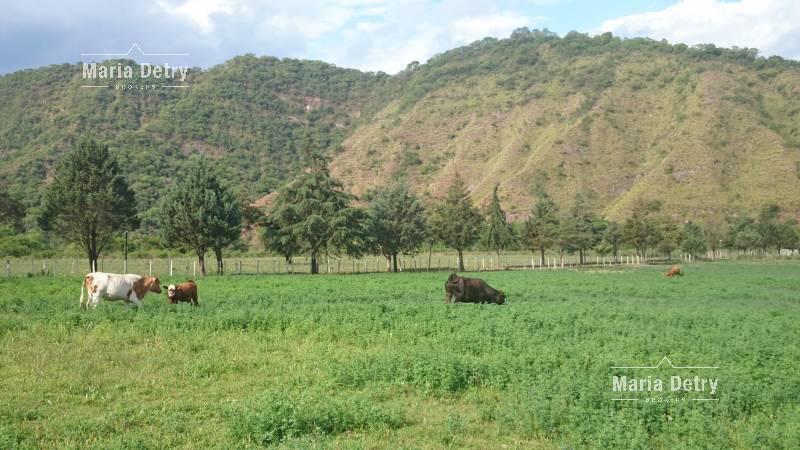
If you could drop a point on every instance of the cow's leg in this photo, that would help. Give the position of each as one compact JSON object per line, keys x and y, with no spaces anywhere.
{"x":447,"y":296}
{"x":94,"y":296}
{"x":133,"y":299}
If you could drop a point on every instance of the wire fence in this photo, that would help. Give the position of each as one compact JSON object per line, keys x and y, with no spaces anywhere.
{"x":473,"y":262}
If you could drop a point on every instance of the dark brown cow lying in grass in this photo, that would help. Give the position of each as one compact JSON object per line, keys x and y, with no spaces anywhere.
{"x":471,"y":290}
{"x":183,"y":292}
{"x":673,"y":271}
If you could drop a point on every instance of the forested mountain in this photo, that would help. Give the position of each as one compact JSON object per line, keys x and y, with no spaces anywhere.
{"x":249,"y":114}
{"x":704,"y":130}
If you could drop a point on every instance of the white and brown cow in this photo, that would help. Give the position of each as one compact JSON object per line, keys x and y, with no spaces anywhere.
{"x":112,"y":286}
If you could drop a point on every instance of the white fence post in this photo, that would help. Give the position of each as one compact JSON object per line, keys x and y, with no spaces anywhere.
{"x":170,"y":267}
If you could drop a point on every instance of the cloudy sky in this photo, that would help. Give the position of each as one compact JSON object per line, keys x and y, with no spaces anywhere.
{"x":365,"y":34}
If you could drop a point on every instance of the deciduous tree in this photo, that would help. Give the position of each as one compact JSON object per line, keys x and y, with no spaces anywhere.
{"x":396,"y":222}
{"x":199,"y":213}
{"x":89,"y":200}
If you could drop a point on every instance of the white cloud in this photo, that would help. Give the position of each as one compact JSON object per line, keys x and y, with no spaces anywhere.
{"x":772,"y":26}
{"x":200,"y":12}
{"x":469,"y":29}
{"x":365,"y":34}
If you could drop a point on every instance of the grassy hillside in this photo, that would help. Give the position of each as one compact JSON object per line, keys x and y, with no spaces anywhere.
{"x":705,"y":130}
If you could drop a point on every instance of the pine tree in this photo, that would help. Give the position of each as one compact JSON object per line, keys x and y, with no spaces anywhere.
{"x":396,"y":222}
{"x":499,"y":234}
{"x":456,"y":222}
{"x":541,"y":230}
{"x":199,"y":214}
{"x":12,"y":211}
{"x":671,"y":238}
{"x":578,"y":229}
{"x":641,"y":229}
{"x":612,"y":237}
{"x":313,"y":213}
{"x":89,"y":200}
{"x":693,"y":242}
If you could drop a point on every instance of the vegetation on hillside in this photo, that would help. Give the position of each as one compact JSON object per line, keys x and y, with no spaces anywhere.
{"x":596,"y":125}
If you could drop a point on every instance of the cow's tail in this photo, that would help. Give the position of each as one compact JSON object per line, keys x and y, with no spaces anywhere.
{"x":83,"y":288}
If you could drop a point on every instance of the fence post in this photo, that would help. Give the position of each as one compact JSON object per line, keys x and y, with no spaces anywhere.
{"x":150,"y":268}
{"x":170,"y":267}
{"x":240,"y":267}
{"x":194,"y":269}
{"x":8,"y":268}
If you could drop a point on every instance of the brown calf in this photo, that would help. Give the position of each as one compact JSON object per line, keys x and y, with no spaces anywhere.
{"x":673,"y":271}
{"x":183,"y":292}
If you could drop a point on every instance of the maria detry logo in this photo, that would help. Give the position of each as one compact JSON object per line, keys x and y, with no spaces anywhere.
{"x":123,"y":75}
{"x":665,"y":382}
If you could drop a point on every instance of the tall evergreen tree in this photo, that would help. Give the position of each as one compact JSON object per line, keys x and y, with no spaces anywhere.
{"x":312,"y":211}
{"x":89,"y":200}
{"x":641,"y":229}
{"x":612,"y":237}
{"x":541,"y":230}
{"x":768,"y":227}
{"x":11,"y":211}
{"x":278,"y":237}
{"x":199,"y":214}
{"x":671,"y":238}
{"x":578,"y":229}
{"x":456,"y":222}
{"x":396,"y":222}
{"x":499,"y":233}
{"x":694,"y":241}
{"x":788,"y":235}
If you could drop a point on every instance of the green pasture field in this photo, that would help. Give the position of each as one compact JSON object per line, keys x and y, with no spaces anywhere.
{"x":379,"y":361}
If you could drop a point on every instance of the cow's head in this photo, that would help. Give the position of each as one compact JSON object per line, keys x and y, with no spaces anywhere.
{"x":500,"y":298}
{"x":153,"y":285}
{"x":171,"y":290}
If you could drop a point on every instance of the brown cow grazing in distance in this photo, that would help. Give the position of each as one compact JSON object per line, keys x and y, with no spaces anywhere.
{"x":183,"y":292}
{"x":471,"y":290}
{"x":673,"y":271}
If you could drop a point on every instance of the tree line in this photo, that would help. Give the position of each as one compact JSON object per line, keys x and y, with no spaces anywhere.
{"x":89,"y":201}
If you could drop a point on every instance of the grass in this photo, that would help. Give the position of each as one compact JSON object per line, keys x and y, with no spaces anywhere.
{"x":380,"y":361}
